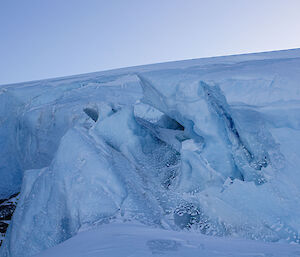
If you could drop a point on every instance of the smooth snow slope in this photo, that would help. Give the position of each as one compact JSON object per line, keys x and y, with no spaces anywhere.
{"x":209,"y":145}
{"x":135,"y":240}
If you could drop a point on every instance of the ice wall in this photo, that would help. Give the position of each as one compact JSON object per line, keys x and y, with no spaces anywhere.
{"x":178,"y":147}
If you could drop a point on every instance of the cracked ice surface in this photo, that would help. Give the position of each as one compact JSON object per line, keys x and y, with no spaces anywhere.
{"x":208,"y":145}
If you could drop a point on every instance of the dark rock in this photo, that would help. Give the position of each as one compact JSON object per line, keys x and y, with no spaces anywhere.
{"x":7,"y":208}
{"x":6,"y":211}
{"x":3,"y":227}
{"x":12,"y":196}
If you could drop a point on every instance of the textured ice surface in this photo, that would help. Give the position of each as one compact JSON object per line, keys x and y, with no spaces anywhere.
{"x":208,"y":145}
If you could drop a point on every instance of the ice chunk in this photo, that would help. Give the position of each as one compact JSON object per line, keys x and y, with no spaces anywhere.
{"x":79,"y":187}
{"x":97,"y":174}
{"x":206,"y":117}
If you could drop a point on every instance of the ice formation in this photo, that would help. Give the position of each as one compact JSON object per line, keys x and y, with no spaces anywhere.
{"x":209,"y":145}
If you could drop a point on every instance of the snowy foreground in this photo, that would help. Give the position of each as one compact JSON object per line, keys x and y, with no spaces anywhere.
{"x":123,"y":240}
{"x":204,"y":153}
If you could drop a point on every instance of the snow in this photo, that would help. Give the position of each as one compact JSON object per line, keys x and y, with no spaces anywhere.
{"x":136,"y":240}
{"x":206,"y":146}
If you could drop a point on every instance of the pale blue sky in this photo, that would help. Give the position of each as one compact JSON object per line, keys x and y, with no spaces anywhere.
{"x":50,"y":38}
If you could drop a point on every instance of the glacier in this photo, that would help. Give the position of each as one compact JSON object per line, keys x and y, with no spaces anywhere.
{"x":207,"y":146}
